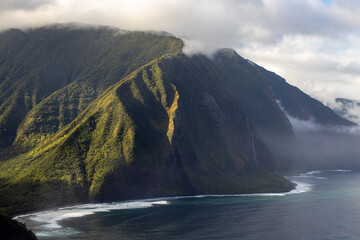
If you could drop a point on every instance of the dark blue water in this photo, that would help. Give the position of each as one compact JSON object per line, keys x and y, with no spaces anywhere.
{"x":325,"y":206}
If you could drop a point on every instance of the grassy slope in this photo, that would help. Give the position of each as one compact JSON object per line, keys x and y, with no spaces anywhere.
{"x":50,"y":75}
{"x":169,"y":128}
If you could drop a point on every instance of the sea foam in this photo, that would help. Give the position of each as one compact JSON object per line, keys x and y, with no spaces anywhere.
{"x":315,"y":173}
{"x":51,"y":219}
{"x":322,"y":171}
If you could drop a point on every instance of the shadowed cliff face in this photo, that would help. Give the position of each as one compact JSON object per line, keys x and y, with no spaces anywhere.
{"x":169,"y":128}
{"x":179,"y":125}
{"x":191,"y":132}
{"x":321,"y":139}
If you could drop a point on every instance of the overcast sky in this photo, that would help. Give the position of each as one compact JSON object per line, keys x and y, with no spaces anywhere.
{"x":314,"y":44}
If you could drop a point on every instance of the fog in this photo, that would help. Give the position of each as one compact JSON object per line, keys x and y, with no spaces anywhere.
{"x":349,"y":109}
{"x":314,"y":146}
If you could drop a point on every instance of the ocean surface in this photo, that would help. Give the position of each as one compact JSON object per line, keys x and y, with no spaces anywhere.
{"x":324,"y":206}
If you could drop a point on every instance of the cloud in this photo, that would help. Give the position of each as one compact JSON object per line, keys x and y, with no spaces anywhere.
{"x":305,"y":126}
{"x":13,"y":5}
{"x":314,"y":44}
{"x":349,"y":109}
{"x":301,"y":126}
{"x":315,"y":146}
{"x":318,"y":146}
{"x":192,"y":47}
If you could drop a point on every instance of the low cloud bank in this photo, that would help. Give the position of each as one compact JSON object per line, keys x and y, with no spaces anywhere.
{"x":315,"y":146}
{"x":349,"y":109}
{"x":307,"y":126}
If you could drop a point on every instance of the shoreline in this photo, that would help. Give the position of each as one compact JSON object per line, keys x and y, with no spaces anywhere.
{"x":108,"y":206}
{"x":59,"y":207}
{"x":62,"y":221}
{"x":48,"y":221}
{"x":292,"y":191}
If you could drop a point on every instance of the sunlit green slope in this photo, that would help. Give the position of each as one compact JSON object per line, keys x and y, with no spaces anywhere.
{"x":49,"y":75}
{"x":100,"y":114}
{"x":172,"y":127}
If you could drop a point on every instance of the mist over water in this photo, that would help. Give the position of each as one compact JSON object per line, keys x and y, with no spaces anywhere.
{"x":315,"y":146}
{"x":319,"y":149}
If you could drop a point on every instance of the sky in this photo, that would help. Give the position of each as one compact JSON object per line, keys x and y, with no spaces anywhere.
{"x":313,"y":44}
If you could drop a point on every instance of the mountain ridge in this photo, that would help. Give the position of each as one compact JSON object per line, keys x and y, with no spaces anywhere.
{"x":100,"y":46}
{"x":140,"y":119}
{"x":300,"y":105}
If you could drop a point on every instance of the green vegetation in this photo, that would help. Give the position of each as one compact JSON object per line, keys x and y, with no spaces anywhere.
{"x":103,"y":115}
{"x":53,"y":73}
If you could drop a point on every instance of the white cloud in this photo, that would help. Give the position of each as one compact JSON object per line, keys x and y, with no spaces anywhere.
{"x":192,"y":47}
{"x":311,"y":125}
{"x":347,"y":109}
{"x":313,"y":44}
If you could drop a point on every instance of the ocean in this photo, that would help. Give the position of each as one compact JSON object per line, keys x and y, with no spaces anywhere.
{"x":324,"y":206}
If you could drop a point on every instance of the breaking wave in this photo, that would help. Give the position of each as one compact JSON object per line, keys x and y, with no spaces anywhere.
{"x":315,"y":173}
{"x":50,"y":220}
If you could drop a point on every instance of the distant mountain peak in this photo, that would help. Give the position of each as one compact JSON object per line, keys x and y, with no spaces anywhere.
{"x":347,"y":108}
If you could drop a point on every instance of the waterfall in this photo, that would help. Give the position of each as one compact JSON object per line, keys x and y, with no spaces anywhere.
{"x":247,"y":123}
{"x":252,"y":141}
{"x":253,"y":148}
